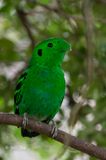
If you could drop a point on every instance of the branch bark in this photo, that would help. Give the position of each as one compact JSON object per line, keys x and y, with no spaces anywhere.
{"x":63,"y":137}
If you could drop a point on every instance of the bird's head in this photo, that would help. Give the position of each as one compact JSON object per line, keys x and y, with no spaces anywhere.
{"x":50,"y":52}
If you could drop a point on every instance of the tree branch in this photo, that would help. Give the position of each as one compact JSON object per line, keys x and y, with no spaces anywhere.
{"x":63,"y":137}
{"x":88,"y":19}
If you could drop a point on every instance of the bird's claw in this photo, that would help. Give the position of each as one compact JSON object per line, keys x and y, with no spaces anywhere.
{"x":54,"y":129}
{"x":25,"y":121}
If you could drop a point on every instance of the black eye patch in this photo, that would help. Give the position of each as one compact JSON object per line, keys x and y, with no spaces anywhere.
{"x":50,"y":45}
{"x":40,"y":52}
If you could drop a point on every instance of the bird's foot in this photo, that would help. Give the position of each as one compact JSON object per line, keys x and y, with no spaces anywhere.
{"x":54,"y":129}
{"x":25,"y":121}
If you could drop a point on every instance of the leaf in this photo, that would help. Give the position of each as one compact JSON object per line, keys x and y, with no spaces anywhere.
{"x":7,"y":50}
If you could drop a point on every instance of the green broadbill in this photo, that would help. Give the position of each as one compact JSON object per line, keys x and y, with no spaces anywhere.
{"x":41,"y":87}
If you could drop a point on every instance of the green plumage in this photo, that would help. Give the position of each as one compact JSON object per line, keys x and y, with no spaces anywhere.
{"x":41,"y":88}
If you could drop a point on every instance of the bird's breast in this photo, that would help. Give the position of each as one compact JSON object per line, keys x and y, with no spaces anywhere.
{"x":46,"y":84}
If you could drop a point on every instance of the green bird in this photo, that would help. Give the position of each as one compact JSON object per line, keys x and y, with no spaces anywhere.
{"x":41,"y":87}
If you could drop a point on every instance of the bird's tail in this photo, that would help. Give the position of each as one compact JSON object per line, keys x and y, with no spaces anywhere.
{"x":28,"y":133}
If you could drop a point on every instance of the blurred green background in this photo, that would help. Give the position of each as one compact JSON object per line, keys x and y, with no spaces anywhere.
{"x":23,"y":23}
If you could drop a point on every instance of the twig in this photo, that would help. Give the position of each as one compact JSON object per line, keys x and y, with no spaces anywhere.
{"x":42,"y":128}
{"x":26,"y":24}
{"x":54,"y":9}
{"x":102,"y":1}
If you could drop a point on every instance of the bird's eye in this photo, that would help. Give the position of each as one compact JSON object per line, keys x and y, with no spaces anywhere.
{"x":40,"y":52}
{"x":50,"y":45}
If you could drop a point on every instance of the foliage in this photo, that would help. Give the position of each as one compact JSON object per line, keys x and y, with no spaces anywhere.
{"x":24,"y":23}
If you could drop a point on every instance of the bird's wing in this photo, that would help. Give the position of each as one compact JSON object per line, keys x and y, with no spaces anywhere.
{"x":18,"y":90}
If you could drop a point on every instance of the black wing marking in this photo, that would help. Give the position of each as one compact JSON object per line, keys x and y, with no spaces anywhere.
{"x":18,"y":90}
